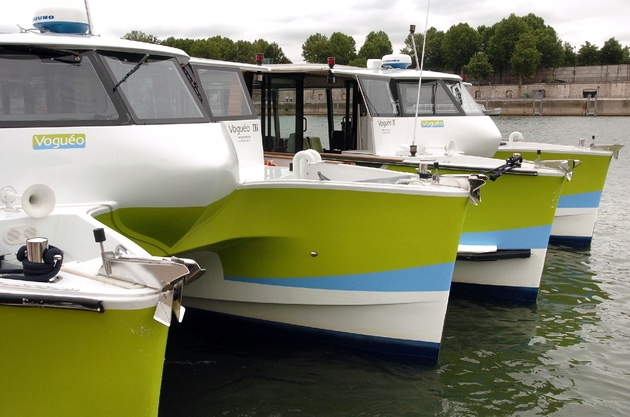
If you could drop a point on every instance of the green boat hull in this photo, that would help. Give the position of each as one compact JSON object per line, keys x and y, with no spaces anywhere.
{"x":59,"y":362}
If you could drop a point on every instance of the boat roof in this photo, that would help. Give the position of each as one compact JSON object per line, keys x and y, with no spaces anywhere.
{"x":240,"y":65}
{"x":354,"y":71}
{"x":87,"y":42}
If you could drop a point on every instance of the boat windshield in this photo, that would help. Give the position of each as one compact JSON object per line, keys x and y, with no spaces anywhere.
{"x":156,"y":91}
{"x":434,"y":99}
{"x":225,"y":93}
{"x":37,"y":90}
{"x":398,"y":98}
{"x":465,"y":99}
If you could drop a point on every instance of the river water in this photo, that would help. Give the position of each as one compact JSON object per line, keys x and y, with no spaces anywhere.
{"x":568,"y":355}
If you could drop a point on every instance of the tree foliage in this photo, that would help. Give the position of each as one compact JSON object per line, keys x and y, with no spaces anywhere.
{"x":315,"y":48}
{"x":513,"y":43}
{"x":569,"y":56}
{"x":502,"y":43}
{"x":318,"y":48}
{"x":460,"y":43}
{"x":342,"y":47}
{"x":433,"y":56}
{"x":611,"y":53}
{"x":526,"y":57}
{"x":588,"y":54}
{"x":376,"y":45}
{"x":136,"y":35}
{"x":218,"y":47}
{"x":479,"y":67}
{"x":550,"y":46}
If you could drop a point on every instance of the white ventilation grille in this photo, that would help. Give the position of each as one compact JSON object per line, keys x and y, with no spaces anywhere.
{"x":16,"y":235}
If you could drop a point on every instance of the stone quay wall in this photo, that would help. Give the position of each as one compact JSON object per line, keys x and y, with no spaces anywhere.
{"x":569,"y":91}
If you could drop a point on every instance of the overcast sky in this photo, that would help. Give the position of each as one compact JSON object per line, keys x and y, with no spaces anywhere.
{"x":290,"y":23}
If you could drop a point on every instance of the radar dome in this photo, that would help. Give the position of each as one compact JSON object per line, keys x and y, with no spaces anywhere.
{"x":401,"y":61}
{"x":61,"y":20}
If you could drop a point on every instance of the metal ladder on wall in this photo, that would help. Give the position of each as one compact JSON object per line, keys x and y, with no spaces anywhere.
{"x":591,"y":106}
{"x":537,"y":107}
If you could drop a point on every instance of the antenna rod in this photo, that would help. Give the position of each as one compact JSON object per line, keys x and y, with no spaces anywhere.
{"x":89,"y":18}
{"x":424,"y":43}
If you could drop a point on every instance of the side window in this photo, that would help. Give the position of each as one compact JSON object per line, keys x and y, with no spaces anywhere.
{"x":378,"y":97}
{"x":52,"y":91}
{"x":225,"y":92}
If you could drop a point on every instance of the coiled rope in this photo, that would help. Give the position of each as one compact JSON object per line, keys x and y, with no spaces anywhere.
{"x":34,"y":271}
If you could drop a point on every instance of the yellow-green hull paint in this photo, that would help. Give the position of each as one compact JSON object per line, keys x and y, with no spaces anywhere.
{"x":70,"y":363}
{"x":512,"y":201}
{"x":587,"y":178}
{"x":275,"y":232}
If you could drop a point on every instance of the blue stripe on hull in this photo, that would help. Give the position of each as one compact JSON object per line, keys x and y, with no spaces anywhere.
{"x":582,"y":200}
{"x":427,"y":278}
{"x":525,"y":295}
{"x":524,"y":238}
{"x":417,"y":352}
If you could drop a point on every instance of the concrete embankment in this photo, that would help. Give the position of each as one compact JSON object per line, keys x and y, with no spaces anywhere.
{"x":588,"y":98}
{"x":560,"y":107}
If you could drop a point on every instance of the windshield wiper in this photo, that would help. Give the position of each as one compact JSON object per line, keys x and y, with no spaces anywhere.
{"x":131,"y":71}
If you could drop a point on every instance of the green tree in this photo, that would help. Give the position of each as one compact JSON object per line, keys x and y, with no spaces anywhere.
{"x":626,"y":56}
{"x":479,"y":67}
{"x":502,"y":43}
{"x":433,"y":57}
{"x":227,"y":48}
{"x":376,"y":45}
{"x":550,"y":46}
{"x":534,"y":22}
{"x":460,"y":43}
{"x":526,"y":57}
{"x":315,"y":48}
{"x":485,"y":32}
{"x":611,"y":53}
{"x":205,"y":48}
{"x":270,"y":51}
{"x":342,"y":47}
{"x":183,"y":44}
{"x":136,"y":35}
{"x":246,"y":51}
{"x":588,"y":54}
{"x":570,"y":57}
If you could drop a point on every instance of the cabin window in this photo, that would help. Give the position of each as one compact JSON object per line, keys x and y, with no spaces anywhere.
{"x":52,"y":88}
{"x":464,"y":98}
{"x":378,"y":97}
{"x":225,"y":93}
{"x":154,"y":89}
{"x":436,"y":98}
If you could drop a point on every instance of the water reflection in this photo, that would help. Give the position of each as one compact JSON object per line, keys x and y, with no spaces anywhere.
{"x":495,"y":358}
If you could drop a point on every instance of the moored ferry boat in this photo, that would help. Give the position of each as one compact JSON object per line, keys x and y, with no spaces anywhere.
{"x":84,"y":312}
{"x":182,"y":172}
{"x":369,"y":120}
{"x":378,"y":111}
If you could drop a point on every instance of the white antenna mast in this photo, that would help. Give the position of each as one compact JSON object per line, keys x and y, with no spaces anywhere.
{"x":89,"y":18}
{"x":412,"y":30}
